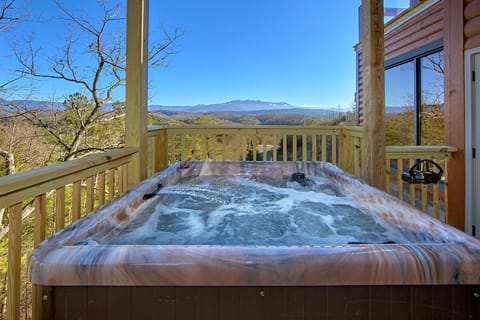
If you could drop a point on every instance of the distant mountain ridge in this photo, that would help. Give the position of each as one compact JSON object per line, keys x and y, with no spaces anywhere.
{"x":245,"y":107}
{"x":234,"y":105}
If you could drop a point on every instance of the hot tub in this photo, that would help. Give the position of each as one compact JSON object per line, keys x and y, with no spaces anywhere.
{"x":228,"y":240}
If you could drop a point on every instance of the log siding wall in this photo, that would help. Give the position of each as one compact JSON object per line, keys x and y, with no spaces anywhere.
{"x":471,"y":29}
{"x":424,"y":28}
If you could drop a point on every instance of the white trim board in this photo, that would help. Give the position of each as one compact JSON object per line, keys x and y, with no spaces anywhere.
{"x":472,"y":214}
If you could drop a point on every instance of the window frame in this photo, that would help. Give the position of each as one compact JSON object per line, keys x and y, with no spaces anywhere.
{"x":416,"y":56}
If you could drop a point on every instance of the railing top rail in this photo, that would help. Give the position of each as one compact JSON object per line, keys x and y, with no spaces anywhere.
{"x":409,"y":152}
{"x":30,"y":180}
{"x":253,"y":128}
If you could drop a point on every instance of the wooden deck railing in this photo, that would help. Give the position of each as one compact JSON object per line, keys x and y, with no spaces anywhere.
{"x":340,"y":145}
{"x":58,"y":195}
{"x":62,"y":193}
{"x":428,"y":198}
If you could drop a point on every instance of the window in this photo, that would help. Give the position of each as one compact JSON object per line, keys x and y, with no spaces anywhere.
{"x":432,"y":111}
{"x":399,"y":102}
{"x":414,"y":99}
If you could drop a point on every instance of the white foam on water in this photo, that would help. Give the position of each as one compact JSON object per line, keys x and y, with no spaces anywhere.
{"x":242,"y":211}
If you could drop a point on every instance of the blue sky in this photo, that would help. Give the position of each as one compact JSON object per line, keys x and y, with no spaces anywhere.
{"x":296,"y":51}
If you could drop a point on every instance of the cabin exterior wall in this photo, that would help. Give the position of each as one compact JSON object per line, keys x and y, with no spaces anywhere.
{"x":456,"y":24}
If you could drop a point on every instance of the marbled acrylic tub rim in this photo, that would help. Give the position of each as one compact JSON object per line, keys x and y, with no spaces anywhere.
{"x":453,"y":259}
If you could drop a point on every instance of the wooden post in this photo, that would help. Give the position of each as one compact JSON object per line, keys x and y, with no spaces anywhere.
{"x":454,"y":89}
{"x":136,"y":88}
{"x":373,"y":156}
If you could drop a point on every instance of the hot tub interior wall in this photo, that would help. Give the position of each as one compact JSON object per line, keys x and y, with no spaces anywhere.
{"x":250,"y":303}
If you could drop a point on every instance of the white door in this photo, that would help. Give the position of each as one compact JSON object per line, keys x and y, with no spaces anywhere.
{"x":473,"y":148}
{"x":476,"y":144}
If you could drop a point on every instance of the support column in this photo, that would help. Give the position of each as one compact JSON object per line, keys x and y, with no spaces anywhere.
{"x":136,"y":88}
{"x":454,"y":91}
{"x":373,"y":155}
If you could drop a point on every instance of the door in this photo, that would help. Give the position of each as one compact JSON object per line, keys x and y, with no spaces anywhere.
{"x":476,"y":143}
{"x":473,"y":146}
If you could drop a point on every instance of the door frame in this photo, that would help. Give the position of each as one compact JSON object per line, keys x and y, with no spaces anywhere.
{"x":469,"y":180}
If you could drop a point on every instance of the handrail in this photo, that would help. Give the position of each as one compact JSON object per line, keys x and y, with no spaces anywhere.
{"x":424,"y":152}
{"x":20,"y":186}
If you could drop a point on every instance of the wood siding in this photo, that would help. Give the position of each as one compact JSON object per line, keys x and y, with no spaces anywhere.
{"x":422,"y":29}
{"x":471,"y":30}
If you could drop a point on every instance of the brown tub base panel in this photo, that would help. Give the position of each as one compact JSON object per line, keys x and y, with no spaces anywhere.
{"x":252,"y":303}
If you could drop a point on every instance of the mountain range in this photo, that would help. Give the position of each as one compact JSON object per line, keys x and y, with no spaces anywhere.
{"x":250,"y":107}
{"x":244,"y":107}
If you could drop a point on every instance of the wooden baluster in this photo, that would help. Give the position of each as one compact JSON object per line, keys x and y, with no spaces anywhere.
{"x":161,"y":151}
{"x":76,"y":200}
{"x":275,"y":148}
{"x":334,"y":149}
{"x":173,"y":145}
{"x":314,"y":147}
{"x":357,"y":148}
{"x":244,"y":147}
{"x":224,"y":147}
{"x":101,"y":189}
{"x":59,"y":209}
{"x":264,"y":147}
{"x":399,"y":179}
{"x":425,"y":198}
{"x":111,"y":184}
{"x":304,"y":148}
{"x":412,"y":191}
{"x":122,"y":178}
{"x":14,"y":261}
{"x":436,"y":200}
{"x":214,"y":147}
{"x":204,"y":148}
{"x":294,"y":147}
{"x":150,"y":156}
{"x":388,"y":188}
{"x":89,"y":201}
{"x":193,"y":144}
{"x":38,"y":236}
{"x":182,"y":147}
{"x":39,"y":219}
{"x":324,"y":147}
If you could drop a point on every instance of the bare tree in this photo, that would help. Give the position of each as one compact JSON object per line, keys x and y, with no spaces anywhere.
{"x":99,"y":76}
{"x":6,"y":19}
{"x":8,"y":16}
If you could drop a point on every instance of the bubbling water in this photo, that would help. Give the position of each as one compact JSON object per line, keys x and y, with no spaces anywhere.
{"x":242,"y":211}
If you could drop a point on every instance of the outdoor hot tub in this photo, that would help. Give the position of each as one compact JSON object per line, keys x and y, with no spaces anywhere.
{"x":241,"y":240}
